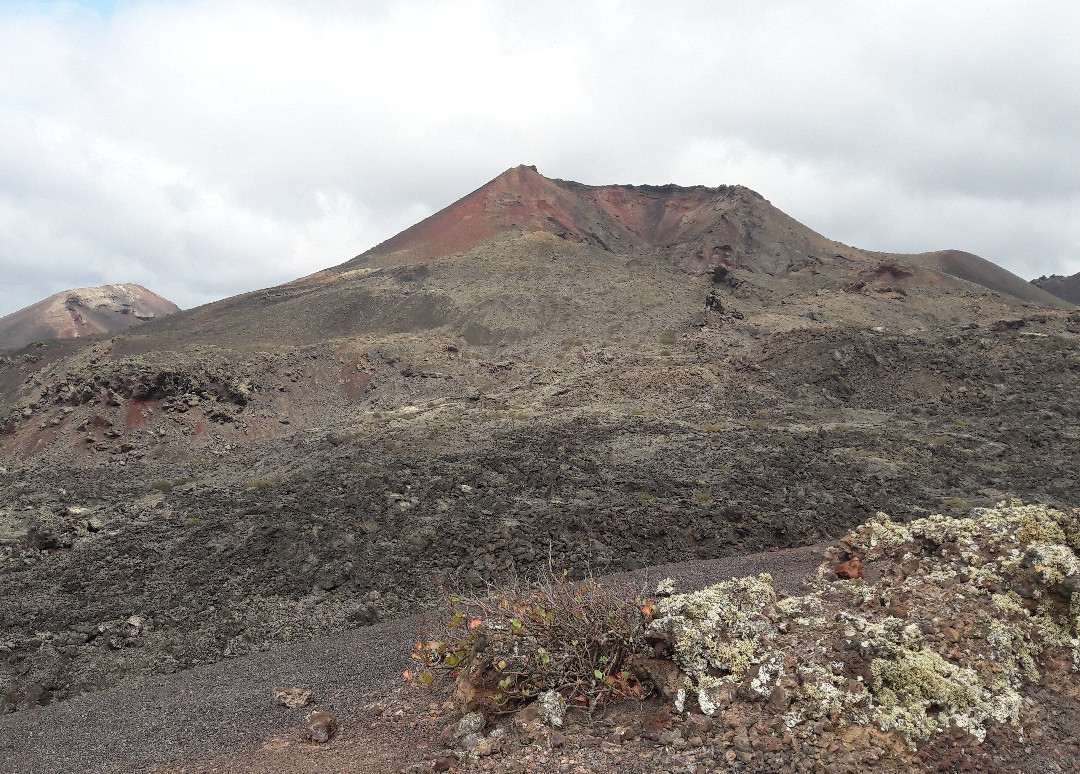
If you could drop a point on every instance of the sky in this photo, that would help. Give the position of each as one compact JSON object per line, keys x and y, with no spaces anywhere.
{"x":204,"y":148}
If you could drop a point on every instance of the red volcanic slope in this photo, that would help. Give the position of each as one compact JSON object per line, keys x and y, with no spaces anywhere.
{"x":616,"y":216}
{"x":83,"y":312}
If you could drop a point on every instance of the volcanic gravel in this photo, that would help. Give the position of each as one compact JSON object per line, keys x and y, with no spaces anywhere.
{"x":222,"y":717}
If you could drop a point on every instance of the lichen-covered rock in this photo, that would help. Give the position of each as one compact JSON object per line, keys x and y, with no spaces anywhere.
{"x":471,"y":723}
{"x":713,"y":634}
{"x":948,"y":624}
{"x":553,"y":708}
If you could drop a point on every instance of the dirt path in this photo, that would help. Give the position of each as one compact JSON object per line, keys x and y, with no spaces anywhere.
{"x":221,"y":717}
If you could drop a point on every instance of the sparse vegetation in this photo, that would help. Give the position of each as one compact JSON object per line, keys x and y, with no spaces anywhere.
{"x":169,"y":485}
{"x":262,"y":483}
{"x":520,"y":640}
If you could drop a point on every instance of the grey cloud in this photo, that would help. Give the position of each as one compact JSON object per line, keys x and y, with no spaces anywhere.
{"x":206,"y":148}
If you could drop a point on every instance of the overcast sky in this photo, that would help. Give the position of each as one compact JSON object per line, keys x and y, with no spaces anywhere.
{"x":205,"y":148}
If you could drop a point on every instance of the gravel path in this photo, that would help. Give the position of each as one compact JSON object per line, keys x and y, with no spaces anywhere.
{"x":221,"y":717}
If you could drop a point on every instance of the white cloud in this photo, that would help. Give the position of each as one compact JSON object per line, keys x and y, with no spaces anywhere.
{"x":209,"y":147}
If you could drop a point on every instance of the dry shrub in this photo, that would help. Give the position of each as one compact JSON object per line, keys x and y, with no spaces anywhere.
{"x":521,"y":639}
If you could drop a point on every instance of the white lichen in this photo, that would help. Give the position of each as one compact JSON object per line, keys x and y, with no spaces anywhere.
{"x":954,"y":620}
{"x":715,"y":631}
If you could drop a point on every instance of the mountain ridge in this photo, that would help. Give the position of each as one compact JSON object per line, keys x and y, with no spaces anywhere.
{"x":1065,"y":288}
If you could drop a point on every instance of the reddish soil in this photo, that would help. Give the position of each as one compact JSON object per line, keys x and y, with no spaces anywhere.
{"x":521,"y":198}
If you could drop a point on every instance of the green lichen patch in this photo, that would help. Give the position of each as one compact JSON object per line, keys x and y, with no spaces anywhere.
{"x":918,"y":690}
{"x":954,"y":621}
{"x":714,"y":633}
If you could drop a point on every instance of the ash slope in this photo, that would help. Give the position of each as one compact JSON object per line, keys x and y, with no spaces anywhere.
{"x":605,"y":377}
{"x":82,"y":312}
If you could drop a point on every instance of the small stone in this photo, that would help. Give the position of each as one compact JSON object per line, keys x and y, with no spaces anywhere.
{"x":321,"y":726}
{"x":293,"y":698}
{"x":485,"y":747}
{"x":527,"y":721}
{"x":779,"y":699}
{"x":444,"y":763}
{"x":852,"y":569}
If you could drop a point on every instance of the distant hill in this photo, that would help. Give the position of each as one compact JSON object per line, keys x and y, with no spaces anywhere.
{"x":1067,"y":288}
{"x":82,"y":312}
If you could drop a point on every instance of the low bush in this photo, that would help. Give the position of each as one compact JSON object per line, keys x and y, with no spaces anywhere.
{"x":520,"y":640}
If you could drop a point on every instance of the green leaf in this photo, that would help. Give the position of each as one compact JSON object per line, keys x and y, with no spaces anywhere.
{"x":598,"y":674}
